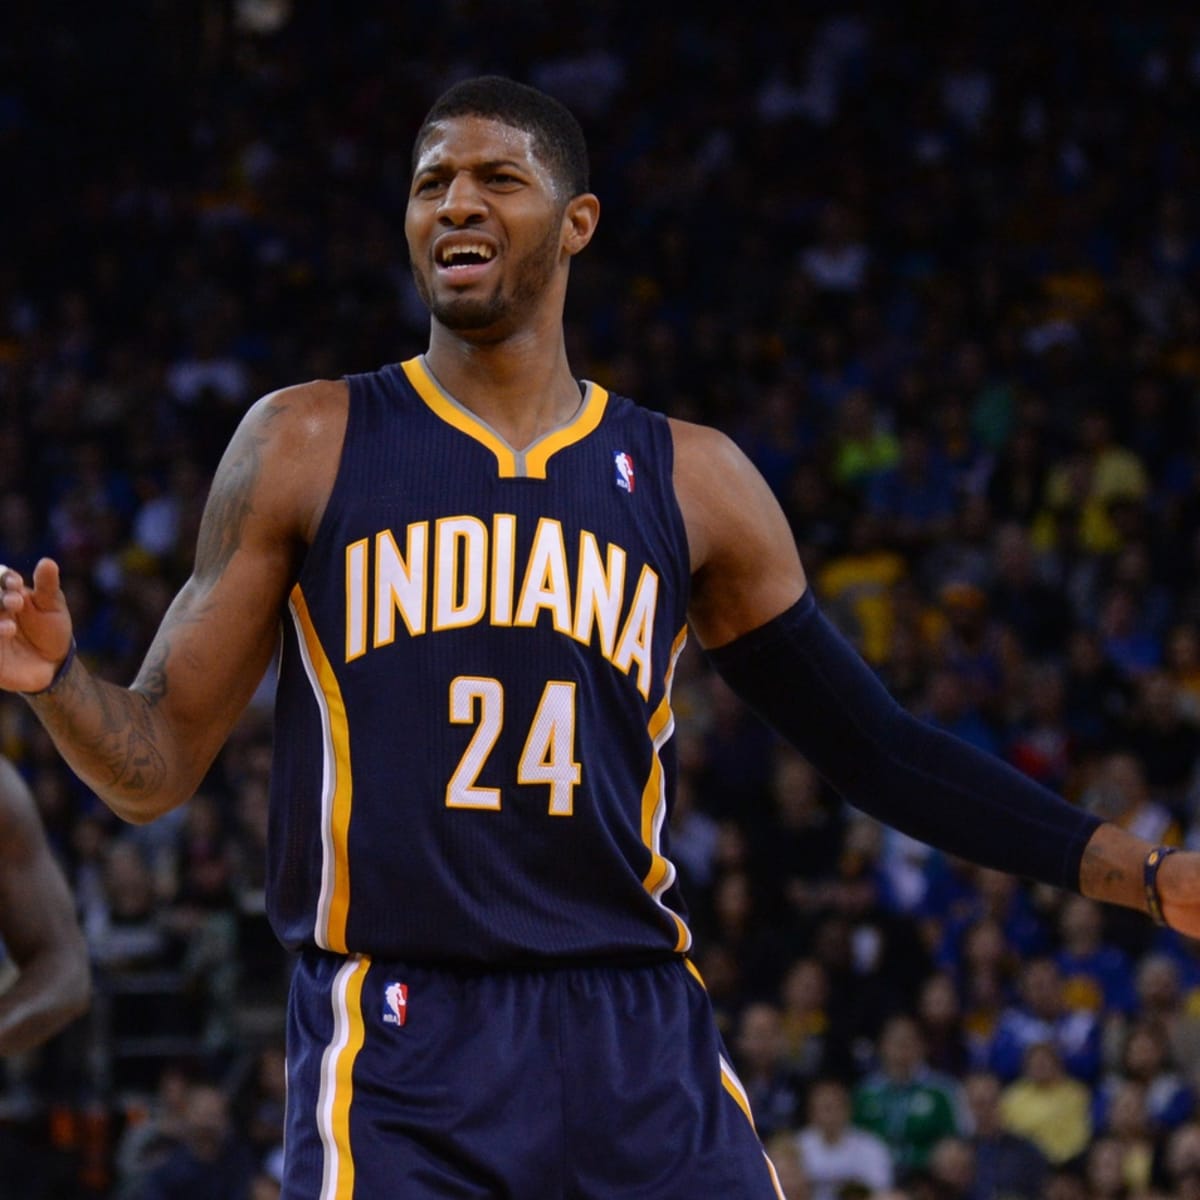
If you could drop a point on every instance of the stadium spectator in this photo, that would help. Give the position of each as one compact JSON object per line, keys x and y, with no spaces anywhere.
{"x":153,"y":1130}
{"x":833,"y":1151}
{"x":1096,"y":975}
{"x":952,"y":1169}
{"x":773,"y":1089}
{"x":1126,"y":1122}
{"x":1046,"y":1105}
{"x":211,"y":1159}
{"x":1040,"y":1016}
{"x":903,"y":1101}
{"x":1006,"y":1163}
{"x":939,"y":1011}
{"x":1167,"y":1099}
{"x":1164,"y":739}
{"x":812,"y":1028}
{"x":1118,"y":789}
{"x":1182,"y":1162}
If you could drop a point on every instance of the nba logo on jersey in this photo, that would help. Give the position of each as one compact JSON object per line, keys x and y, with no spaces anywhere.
{"x":624,"y":466}
{"x":395,"y":1004}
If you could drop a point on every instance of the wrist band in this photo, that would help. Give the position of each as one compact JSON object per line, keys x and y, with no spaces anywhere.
{"x":1150,"y":880}
{"x":59,"y":675}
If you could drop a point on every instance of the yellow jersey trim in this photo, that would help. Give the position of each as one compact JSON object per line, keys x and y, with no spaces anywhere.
{"x":337,"y":1083}
{"x":590,"y":413}
{"x":529,"y":463}
{"x":661,"y":874}
{"x":733,"y":1085}
{"x":333,"y":906}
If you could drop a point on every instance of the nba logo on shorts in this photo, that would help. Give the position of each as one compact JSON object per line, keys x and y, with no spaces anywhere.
{"x":624,"y":466}
{"x":395,"y":1004}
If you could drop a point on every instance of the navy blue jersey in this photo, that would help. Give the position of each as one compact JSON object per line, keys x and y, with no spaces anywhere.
{"x":473,"y":759}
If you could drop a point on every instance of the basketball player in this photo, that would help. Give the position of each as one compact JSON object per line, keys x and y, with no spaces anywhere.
{"x":484,"y":569}
{"x":40,"y":934}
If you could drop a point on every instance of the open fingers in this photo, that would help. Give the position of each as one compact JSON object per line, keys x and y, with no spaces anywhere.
{"x":45,"y":583}
{"x":11,"y":600}
{"x":12,"y":596}
{"x":16,"y":595}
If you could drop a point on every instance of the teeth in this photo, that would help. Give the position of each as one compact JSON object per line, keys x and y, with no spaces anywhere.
{"x":461,"y":249}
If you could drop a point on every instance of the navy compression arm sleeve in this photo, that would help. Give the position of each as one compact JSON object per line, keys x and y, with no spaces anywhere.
{"x":806,"y":681}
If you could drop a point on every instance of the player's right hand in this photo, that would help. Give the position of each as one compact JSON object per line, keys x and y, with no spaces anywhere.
{"x":35,"y":628}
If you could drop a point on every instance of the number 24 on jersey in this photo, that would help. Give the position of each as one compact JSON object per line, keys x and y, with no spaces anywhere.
{"x":548,"y":756}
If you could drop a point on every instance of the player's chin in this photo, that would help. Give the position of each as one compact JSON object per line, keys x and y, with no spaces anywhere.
{"x":468,"y":314}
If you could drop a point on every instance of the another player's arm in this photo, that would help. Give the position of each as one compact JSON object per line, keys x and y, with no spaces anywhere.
{"x":144,"y":749}
{"x":39,"y":928}
{"x":803,"y":678}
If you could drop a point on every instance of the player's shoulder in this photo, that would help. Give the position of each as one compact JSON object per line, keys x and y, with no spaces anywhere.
{"x":289,"y":445}
{"x":705,"y":449}
{"x":299,"y":416}
{"x":316,"y":400}
{"x":714,"y":484}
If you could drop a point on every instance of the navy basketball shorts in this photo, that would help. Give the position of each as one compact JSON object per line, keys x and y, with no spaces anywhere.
{"x":568,"y":1083}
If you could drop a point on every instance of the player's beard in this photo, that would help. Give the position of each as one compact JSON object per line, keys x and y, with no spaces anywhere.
{"x":466,"y":314}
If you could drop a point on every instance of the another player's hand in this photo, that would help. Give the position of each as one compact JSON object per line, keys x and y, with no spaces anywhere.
{"x":35,"y":628}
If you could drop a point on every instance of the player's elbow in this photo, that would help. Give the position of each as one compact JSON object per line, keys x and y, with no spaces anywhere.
{"x":80,"y":999}
{"x":62,"y":995}
{"x":73,"y":976}
{"x":74,"y":1001}
{"x":143,"y":808}
{"x":138,"y":814}
{"x":81,"y":978}
{"x":75,"y":989}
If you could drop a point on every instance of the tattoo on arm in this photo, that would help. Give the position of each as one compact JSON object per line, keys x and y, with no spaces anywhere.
{"x":111,"y":735}
{"x":152,"y":678}
{"x":1111,"y":868}
{"x":110,"y":730}
{"x":229,"y":503}
{"x":1098,"y":867}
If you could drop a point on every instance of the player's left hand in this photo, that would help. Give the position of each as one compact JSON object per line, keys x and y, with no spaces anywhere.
{"x":1179,"y":891}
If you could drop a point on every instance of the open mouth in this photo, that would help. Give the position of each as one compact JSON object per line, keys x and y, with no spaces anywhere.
{"x":459,"y":255}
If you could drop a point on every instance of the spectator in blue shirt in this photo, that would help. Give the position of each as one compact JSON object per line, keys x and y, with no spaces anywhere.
{"x":1041,"y":1015}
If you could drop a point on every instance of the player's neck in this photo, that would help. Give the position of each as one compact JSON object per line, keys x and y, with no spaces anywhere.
{"x":521,"y":386}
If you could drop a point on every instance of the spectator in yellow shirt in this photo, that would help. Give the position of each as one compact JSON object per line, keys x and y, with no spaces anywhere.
{"x":1048,"y":1106}
{"x":1102,"y":474}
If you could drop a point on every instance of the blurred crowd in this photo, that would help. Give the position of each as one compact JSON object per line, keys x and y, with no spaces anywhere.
{"x":935,"y":268}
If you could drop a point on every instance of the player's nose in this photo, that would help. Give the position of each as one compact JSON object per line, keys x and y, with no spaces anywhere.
{"x":462,"y":200}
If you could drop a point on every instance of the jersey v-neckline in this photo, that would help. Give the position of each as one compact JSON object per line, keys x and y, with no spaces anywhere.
{"x":511,"y":463}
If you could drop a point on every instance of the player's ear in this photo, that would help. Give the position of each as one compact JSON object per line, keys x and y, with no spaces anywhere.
{"x":580,"y":218}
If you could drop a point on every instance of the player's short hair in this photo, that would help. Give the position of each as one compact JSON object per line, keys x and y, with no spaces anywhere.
{"x":557,"y":136}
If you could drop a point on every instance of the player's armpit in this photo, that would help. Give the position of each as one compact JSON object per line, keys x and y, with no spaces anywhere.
{"x":745,"y":566}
